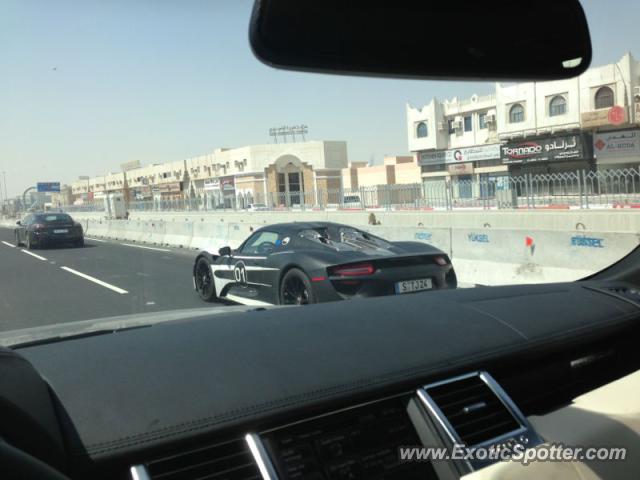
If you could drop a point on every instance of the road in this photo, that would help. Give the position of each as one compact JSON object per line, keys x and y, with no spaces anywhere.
{"x":104,"y":279}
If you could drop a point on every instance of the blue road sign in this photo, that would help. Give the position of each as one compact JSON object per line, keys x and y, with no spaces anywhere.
{"x":48,"y":186}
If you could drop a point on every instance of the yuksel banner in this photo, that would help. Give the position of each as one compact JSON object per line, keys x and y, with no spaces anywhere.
{"x":566,"y":147}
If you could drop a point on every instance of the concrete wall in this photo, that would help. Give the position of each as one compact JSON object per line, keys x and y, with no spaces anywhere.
{"x":609,"y":221}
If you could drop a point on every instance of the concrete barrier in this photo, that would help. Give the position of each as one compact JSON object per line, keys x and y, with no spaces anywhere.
{"x":438,"y":237}
{"x":178,"y":234}
{"x":96,"y":228}
{"x":501,"y":257}
{"x":154,"y":232}
{"x":209,"y":236}
{"x":135,"y":231}
{"x":118,"y":229}
{"x":482,"y":254}
{"x":614,"y":220}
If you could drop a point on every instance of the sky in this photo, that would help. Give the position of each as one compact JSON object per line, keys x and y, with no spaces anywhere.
{"x":88,"y":85}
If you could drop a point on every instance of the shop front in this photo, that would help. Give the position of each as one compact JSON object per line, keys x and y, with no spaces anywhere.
{"x":463,"y":171}
{"x":549,"y":154}
{"x":617,"y":150}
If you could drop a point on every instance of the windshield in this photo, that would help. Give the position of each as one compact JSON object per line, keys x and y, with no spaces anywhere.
{"x":154,"y":139}
{"x":58,"y":218}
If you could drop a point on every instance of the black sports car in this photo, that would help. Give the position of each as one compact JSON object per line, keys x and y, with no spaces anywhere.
{"x":311,"y":262}
{"x":42,"y":229}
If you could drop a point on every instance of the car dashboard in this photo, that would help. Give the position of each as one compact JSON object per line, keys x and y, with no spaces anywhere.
{"x":327,"y":391}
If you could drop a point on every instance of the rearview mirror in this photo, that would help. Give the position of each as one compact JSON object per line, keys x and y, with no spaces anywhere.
{"x":224,"y":251}
{"x":492,"y":39}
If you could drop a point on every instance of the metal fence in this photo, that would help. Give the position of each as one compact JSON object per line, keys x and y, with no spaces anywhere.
{"x":578,"y":189}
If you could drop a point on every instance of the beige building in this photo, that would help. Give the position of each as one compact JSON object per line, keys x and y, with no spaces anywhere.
{"x":394,"y":170}
{"x":277,"y":174}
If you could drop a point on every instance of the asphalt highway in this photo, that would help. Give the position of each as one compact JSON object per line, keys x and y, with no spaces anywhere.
{"x":105,"y":278}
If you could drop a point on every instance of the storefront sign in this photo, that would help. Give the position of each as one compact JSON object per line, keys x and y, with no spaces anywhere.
{"x":212,"y":184}
{"x":175,"y":187}
{"x":461,"y":155}
{"x":460,"y":168}
{"x":228,"y":185}
{"x":432,"y":158}
{"x":566,"y":147}
{"x":625,"y":143}
{"x":615,"y":115}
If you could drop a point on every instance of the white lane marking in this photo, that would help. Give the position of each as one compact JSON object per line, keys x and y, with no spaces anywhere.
{"x":150,"y":303}
{"x":9,"y":244}
{"x":247,"y":301}
{"x":96,"y":240}
{"x":148,"y":248}
{"x":34,"y":255}
{"x":95,"y":280}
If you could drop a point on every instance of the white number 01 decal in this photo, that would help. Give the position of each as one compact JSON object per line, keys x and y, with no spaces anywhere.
{"x":239,"y":273}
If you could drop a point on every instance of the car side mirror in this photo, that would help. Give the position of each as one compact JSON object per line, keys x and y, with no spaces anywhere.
{"x":18,"y":222}
{"x":224,"y":251}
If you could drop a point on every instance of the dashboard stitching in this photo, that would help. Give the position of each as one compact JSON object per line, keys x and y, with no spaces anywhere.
{"x":320,"y":394}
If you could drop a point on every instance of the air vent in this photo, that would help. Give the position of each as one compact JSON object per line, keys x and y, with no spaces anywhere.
{"x":472,"y":409}
{"x":358,"y":442}
{"x":222,"y":461}
{"x":628,"y":293}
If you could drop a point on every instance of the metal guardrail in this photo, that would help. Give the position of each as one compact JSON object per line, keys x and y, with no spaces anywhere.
{"x":577,"y":189}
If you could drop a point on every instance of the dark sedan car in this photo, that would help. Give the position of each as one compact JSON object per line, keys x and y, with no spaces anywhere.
{"x":311,"y":262}
{"x":38,"y":230}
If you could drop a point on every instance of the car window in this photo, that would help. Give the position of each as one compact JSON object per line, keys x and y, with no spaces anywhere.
{"x":260,"y":243}
{"x":57,"y":218}
{"x":353,"y":235}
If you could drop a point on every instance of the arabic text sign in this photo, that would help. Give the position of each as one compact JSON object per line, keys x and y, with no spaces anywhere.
{"x":48,"y":186}
{"x":564,"y":147}
{"x":461,"y":155}
{"x":616,"y":144}
{"x":212,"y":184}
{"x":615,"y":115}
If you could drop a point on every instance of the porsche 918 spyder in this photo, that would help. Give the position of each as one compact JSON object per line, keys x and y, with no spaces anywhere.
{"x":312,"y":262}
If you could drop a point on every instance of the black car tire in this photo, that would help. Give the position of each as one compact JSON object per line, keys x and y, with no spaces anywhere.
{"x":203,"y":279}
{"x":80,"y":243}
{"x":17,"y":241}
{"x":296,"y":289}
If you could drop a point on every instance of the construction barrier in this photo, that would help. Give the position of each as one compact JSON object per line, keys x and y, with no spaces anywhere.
{"x":438,"y":237}
{"x":154,"y":232}
{"x":209,"y":236}
{"x":178,"y":234}
{"x":96,"y":228}
{"x":502,"y":257}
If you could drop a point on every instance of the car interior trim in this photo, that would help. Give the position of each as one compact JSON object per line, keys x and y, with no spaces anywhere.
{"x":261,"y":457}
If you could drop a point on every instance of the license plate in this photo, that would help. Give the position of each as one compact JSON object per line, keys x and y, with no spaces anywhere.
{"x":409,"y":286}
{"x":61,"y":230}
